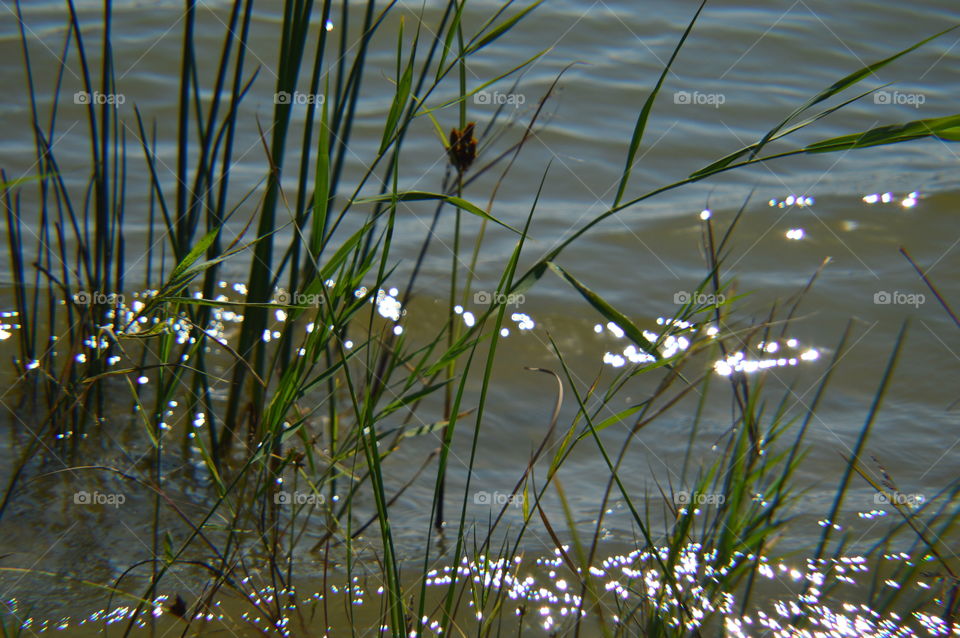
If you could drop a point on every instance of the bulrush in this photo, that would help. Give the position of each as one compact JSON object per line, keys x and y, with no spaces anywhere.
{"x":463,"y":147}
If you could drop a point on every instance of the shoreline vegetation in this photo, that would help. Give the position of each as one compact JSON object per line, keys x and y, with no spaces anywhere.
{"x":284,"y":395}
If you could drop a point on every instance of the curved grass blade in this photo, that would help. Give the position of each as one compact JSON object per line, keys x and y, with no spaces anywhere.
{"x":825,"y":94}
{"x":943,"y":128}
{"x":641,"y":124}
{"x":609,"y":312}
{"x":448,"y":40}
{"x":726,"y":160}
{"x":417,"y":196}
{"x":403,"y":90}
{"x":411,"y":398}
{"x":500,"y":29}
{"x":850,"y":80}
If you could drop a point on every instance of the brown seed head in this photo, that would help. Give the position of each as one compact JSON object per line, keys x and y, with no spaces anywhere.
{"x":463,"y":147}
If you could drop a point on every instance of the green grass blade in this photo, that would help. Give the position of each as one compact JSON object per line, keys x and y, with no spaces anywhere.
{"x":417,"y":196}
{"x":321,"y":186}
{"x":942,"y":128}
{"x":644,"y":115}
{"x":848,"y":81}
{"x":402,"y":95}
{"x":500,"y":29}
{"x":608,"y":311}
{"x":448,"y":40}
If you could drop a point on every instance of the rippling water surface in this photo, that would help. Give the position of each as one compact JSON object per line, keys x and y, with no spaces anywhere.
{"x":744,"y":68}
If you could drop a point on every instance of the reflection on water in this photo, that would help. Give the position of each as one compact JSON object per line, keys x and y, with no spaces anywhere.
{"x":790,"y":355}
{"x":800,"y":201}
{"x":6,"y":329}
{"x":814,"y":598}
{"x":545,"y":593}
{"x":907,"y":201}
{"x":789,"y":351}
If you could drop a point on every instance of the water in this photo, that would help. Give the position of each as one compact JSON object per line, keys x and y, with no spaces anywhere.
{"x":744,"y":68}
{"x":540,"y":595}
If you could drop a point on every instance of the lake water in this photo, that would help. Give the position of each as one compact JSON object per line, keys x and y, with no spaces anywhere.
{"x":745,"y":67}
